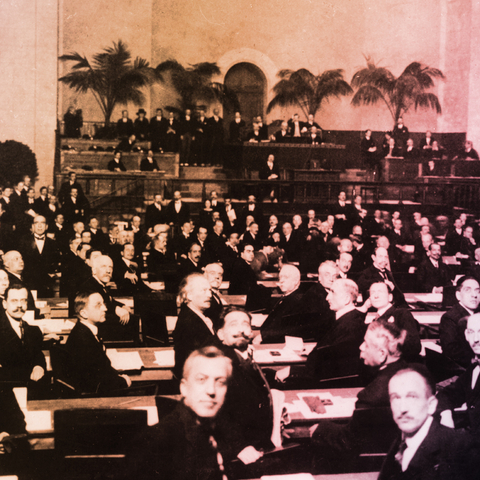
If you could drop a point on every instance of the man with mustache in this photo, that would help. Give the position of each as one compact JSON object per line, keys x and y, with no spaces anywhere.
{"x":466,"y":388}
{"x":21,"y":356}
{"x":248,"y":400}
{"x":425,"y":449}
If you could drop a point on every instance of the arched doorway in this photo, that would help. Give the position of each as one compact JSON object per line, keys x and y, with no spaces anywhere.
{"x":250,"y":85}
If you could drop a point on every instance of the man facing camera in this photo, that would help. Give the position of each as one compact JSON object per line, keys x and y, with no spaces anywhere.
{"x":91,"y":370}
{"x":192,"y":442}
{"x":21,"y":357}
{"x":425,"y":449}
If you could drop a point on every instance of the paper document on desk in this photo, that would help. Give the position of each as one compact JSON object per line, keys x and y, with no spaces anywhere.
{"x":274,"y":355}
{"x":38,"y":421}
{"x":429,"y":297}
{"x":258,"y":319}
{"x":292,"y":476}
{"x":165,"y":358}
{"x":334,"y":407}
{"x":124,"y":361}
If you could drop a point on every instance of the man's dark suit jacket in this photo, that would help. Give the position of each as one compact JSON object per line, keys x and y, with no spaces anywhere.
{"x":337,"y":353}
{"x":66,"y":188}
{"x":75,"y":272}
{"x":452,"y":336}
{"x":428,"y":276}
{"x":177,"y":218}
{"x":124,"y":129}
{"x":91,"y":370}
{"x":186,"y":267}
{"x":404,"y":320}
{"x":280,"y":138}
{"x":112,"y":165}
{"x":453,"y":242}
{"x":242,"y":278}
{"x":12,"y":419}
{"x":38,"y":265}
{"x":289,"y":318}
{"x":124,"y":285}
{"x":372,"y":275}
{"x":315,"y":301}
{"x":340,"y":440}
{"x":460,"y":392}
{"x":18,"y":357}
{"x":190,"y":333}
{"x":441,"y":456}
{"x":75,"y":211}
{"x":178,"y":448}
{"x":146,"y":166}
{"x":154,"y":216}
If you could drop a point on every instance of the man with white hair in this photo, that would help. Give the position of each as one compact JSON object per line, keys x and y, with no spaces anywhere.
{"x":118,"y":315}
{"x":286,"y":317}
{"x":336,"y":354}
{"x":336,"y":443}
{"x":193,"y":329}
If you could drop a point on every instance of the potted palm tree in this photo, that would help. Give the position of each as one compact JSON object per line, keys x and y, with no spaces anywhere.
{"x":194,"y":85}
{"x":375,"y":84}
{"x":307,"y":91}
{"x":111,"y":76}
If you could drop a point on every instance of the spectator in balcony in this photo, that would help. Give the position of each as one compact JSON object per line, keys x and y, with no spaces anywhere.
{"x":468,"y":152}
{"x":281,"y":135}
{"x":187,"y":136}
{"x":141,"y":126}
{"x":426,"y":143}
{"x":149,"y":164}
{"x":270,"y":171}
{"x":116,"y":164}
{"x":158,"y":130}
{"x":400,"y":134}
{"x":311,"y":123}
{"x":124,"y":126}
{"x":368,"y":149}
{"x":66,"y":188}
{"x":237,"y":127}
{"x":173,"y":134}
{"x":296,"y":126}
{"x":73,"y":123}
{"x":411,"y":152}
{"x":216,"y":131}
{"x":127,"y":144}
{"x":315,"y":136}
{"x":392,"y":149}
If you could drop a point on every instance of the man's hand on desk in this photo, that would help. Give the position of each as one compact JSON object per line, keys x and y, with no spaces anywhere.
{"x":282,"y":374}
{"x":127,"y":379}
{"x":249,"y":455}
{"x":37,"y":373}
{"x":132,"y":277}
{"x":123,"y":313}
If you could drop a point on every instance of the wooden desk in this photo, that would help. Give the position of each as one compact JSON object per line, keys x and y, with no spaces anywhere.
{"x":423,"y":318}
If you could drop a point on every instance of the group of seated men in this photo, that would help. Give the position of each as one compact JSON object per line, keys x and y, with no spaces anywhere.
{"x":239,"y":246}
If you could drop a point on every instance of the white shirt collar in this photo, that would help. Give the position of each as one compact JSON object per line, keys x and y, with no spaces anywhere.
{"x":413,"y":443}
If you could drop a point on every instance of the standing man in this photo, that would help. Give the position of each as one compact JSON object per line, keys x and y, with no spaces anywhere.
{"x":141,"y":126}
{"x":158,"y":130}
{"x":177,"y":210}
{"x":187,"y":136}
{"x":216,"y":133}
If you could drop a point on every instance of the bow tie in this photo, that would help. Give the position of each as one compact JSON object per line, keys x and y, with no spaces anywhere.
{"x":476,"y":361}
{"x":39,"y":237}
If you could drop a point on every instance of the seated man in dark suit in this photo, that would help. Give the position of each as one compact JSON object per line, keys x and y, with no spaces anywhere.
{"x":433,"y":274}
{"x":248,"y":400}
{"x":193,"y":441}
{"x":425,"y":449}
{"x":381,"y":299}
{"x":379,"y":272}
{"x":336,"y":354}
{"x":452,"y":324}
{"x":91,"y":370}
{"x":193,"y":329}
{"x":287,"y":317}
{"x":127,"y":273}
{"x":116,"y":164}
{"x":190,"y":264}
{"x":242,"y":276}
{"x":21,"y":356}
{"x":118,"y":319}
{"x":465,"y":389}
{"x":337,"y":443}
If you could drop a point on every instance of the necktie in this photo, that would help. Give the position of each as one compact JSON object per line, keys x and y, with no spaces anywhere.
{"x":399,"y":455}
{"x":221,"y":467}
{"x":22,"y":330}
{"x":476,"y":361}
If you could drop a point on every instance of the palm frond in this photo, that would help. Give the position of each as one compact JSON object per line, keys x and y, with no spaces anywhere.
{"x":367,"y":95}
{"x":428,"y":101}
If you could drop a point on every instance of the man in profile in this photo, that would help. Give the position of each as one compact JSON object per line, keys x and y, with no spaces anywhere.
{"x":193,"y":441}
{"x":91,"y":370}
{"x":425,"y":449}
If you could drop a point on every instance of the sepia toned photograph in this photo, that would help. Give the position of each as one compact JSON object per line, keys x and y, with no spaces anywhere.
{"x":240,"y":240}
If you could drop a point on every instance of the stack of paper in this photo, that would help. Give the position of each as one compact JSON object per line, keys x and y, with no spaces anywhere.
{"x":124,"y":360}
{"x":165,"y":358}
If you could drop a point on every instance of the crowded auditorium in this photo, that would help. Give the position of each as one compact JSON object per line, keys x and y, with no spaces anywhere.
{"x":228,"y":251}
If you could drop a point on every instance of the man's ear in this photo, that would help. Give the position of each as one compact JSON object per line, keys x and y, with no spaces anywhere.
{"x":182,"y":388}
{"x":432,"y":405}
{"x":220,"y":334}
